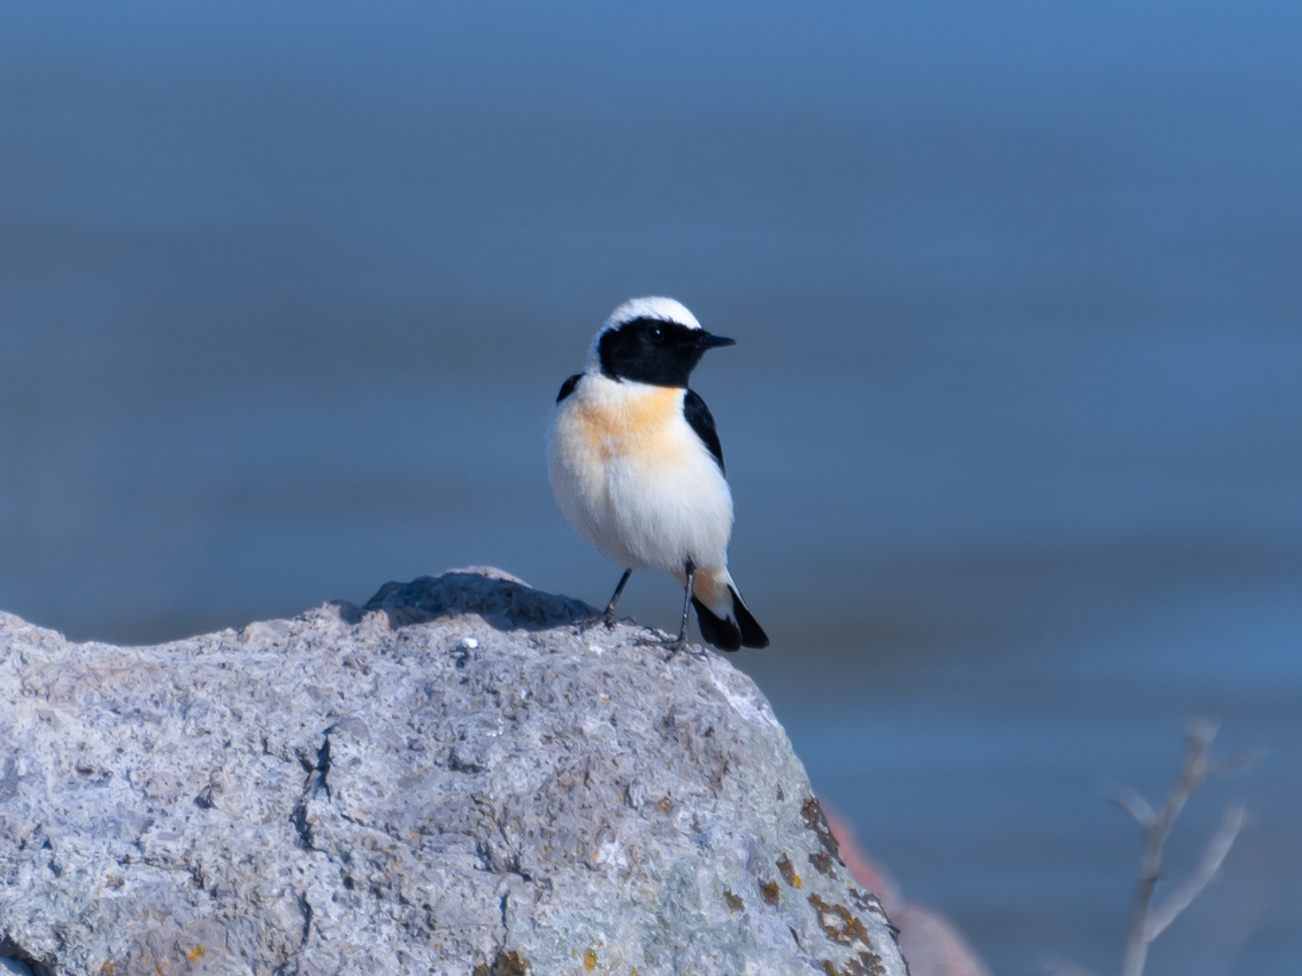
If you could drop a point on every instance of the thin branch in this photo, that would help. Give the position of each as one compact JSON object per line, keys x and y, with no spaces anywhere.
{"x":1234,"y":763}
{"x":1146,"y":924}
{"x":1180,"y":899}
{"x":1133,"y":802}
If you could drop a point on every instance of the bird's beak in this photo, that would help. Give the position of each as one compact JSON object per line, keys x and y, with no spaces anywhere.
{"x":707,"y":341}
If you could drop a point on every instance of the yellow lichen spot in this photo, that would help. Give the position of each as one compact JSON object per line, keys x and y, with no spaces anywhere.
{"x":107,"y":969}
{"x":590,"y":960}
{"x":195,"y":953}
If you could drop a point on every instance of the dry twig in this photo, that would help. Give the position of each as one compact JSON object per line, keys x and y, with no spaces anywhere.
{"x":1148,"y":922}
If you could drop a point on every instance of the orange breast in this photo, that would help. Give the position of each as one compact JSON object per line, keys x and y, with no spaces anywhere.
{"x":643,"y":426}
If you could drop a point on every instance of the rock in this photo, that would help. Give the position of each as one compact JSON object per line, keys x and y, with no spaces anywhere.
{"x":453,"y":779}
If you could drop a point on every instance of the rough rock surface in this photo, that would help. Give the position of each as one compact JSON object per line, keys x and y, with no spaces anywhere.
{"x":453,"y":779}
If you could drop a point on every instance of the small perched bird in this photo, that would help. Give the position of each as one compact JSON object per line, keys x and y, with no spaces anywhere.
{"x":636,"y":465}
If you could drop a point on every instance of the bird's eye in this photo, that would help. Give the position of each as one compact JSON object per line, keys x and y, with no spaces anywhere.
{"x":656,"y":333}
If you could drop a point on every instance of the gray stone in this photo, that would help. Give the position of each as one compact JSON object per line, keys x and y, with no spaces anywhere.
{"x":456,"y":778}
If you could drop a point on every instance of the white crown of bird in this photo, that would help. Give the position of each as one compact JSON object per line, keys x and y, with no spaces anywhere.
{"x":651,"y":307}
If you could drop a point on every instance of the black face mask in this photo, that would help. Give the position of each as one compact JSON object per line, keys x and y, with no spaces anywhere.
{"x":655,"y":351}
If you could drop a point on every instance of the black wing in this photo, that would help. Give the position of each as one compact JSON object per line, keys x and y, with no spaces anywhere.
{"x":568,"y":386}
{"x":698,"y":415}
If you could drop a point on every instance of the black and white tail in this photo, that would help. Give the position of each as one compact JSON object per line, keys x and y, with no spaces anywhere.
{"x":725,"y":622}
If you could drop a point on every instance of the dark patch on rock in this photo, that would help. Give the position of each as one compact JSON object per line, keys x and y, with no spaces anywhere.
{"x":843,"y":928}
{"x":866,"y":901}
{"x":9,"y":949}
{"x":9,"y":779}
{"x":504,"y":601}
{"x":788,"y":872}
{"x":504,"y":965}
{"x":815,"y":820}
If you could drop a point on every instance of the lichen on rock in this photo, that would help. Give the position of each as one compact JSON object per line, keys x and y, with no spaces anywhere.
{"x":455,"y":778}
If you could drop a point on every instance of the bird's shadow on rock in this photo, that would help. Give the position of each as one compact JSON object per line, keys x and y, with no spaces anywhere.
{"x":504,"y":601}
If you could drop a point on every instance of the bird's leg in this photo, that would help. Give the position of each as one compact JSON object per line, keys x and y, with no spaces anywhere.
{"x":675,"y":644}
{"x":687,"y":600}
{"x":609,"y":615}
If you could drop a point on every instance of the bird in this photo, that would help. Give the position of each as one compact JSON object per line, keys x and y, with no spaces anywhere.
{"x":637,"y":468}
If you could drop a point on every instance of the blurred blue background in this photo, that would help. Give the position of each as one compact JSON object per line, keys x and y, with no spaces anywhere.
{"x":1014,"y":424}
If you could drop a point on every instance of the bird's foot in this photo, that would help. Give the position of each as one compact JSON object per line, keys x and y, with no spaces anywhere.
{"x":607,"y":619}
{"x":672,"y":644}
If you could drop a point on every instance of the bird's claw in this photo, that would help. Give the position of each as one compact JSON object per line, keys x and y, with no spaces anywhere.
{"x":673,"y":644}
{"x":608,"y":619}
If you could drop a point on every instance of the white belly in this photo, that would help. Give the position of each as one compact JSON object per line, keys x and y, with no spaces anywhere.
{"x":632,"y":476}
